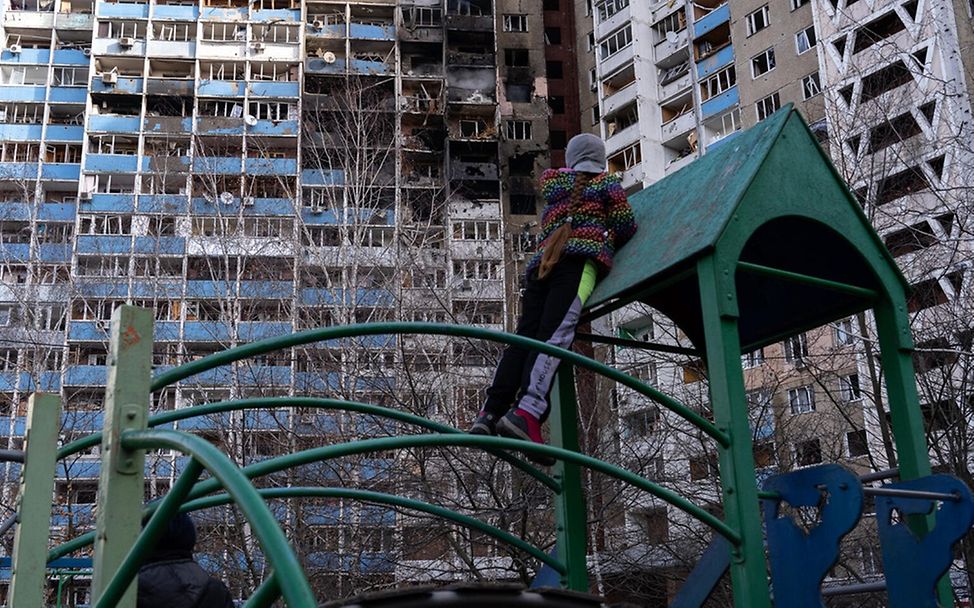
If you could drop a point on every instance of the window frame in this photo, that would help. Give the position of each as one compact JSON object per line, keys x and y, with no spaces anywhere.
{"x":750,"y":20}
{"x":769,"y":59}
{"x":810,"y":42}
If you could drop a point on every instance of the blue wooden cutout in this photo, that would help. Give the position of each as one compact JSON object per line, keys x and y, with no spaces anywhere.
{"x":705,"y":575}
{"x":914,"y":562}
{"x":802,"y":556}
{"x":547,"y":576}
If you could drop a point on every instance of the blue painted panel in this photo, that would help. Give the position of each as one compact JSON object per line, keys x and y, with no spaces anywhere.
{"x":70,"y":57}
{"x":318,"y":424}
{"x":113,"y":124}
{"x":168,"y":124}
{"x":8,"y":381}
{"x":206,"y":331}
{"x":21,"y":132}
{"x":372,"y":32}
{"x":258,"y":330}
{"x":211,"y":164}
{"x":14,"y":211}
{"x":718,"y":60}
{"x":224,"y":14}
{"x":209,"y":289}
{"x":42,"y":56}
{"x":271,"y":166}
{"x":56,"y":211}
{"x":86,"y":375}
{"x":81,"y":421}
{"x":163,"y":203}
{"x":166,"y":245}
{"x":76,"y":469}
{"x":117,"y":9}
{"x":721,"y":103}
{"x":274,"y":89}
{"x":68,"y":94}
{"x":266,"y":420}
{"x":111,"y":163}
{"x":377,"y":468}
{"x":15,"y":252}
{"x":275,"y":127}
{"x":103,"y":289}
{"x":326,"y":560}
{"x":313,"y":381}
{"x":88,"y":331}
{"x":322,"y":218}
{"x":315,"y":65}
{"x":46,"y":381}
{"x":323,"y":177}
{"x":205,"y":423}
{"x":373,"y":297}
{"x":710,"y":21}
{"x":165,"y":331}
{"x":271,"y":206}
{"x":122,"y":203}
{"x":335,"y":30}
{"x":364,"y":66}
{"x":65,"y":133}
{"x":124,"y":85}
{"x":61,"y":171}
{"x":167,"y":11}
{"x":221,"y":88}
{"x":376,"y":562}
{"x":220,"y":376}
{"x":282,"y":14}
{"x":54,"y":252}
{"x":264,"y":376}
{"x":18,"y":427}
{"x":266,"y":289}
{"x":104,"y":244}
{"x":18,"y":170}
{"x":22,"y":93}
{"x":157,"y":288}
{"x":311,"y":295}
{"x":375,"y":383}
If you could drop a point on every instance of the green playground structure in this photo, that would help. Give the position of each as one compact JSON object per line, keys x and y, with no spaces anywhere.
{"x":739,"y":249}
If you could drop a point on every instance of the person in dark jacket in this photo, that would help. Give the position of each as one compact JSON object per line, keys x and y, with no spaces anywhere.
{"x":170,"y":578}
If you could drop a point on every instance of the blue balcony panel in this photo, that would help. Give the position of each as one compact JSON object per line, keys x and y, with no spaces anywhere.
{"x":317,"y":424}
{"x":47,"y":381}
{"x":18,"y":171}
{"x":723,"y":140}
{"x":373,"y":297}
{"x":68,"y":94}
{"x":274,"y":89}
{"x":113,"y":124}
{"x":121,"y":203}
{"x":79,"y":469}
{"x":157,"y":288}
{"x":368,"y":66}
{"x":170,"y":11}
{"x":212,"y":422}
{"x":160,"y":245}
{"x":111,"y":163}
{"x":15,"y":252}
{"x":711,"y":20}
{"x":86,"y":375}
{"x":216,"y":164}
{"x":375,"y":383}
{"x":104,"y":244}
{"x":56,"y":212}
{"x":316,"y":65}
{"x":317,"y":382}
{"x":264,"y":376}
{"x":65,"y":133}
{"x":63,"y":516}
{"x":206,"y":331}
{"x":21,"y":132}
{"x":75,"y":21}
{"x":165,"y":165}
{"x":27,"y":56}
{"x":364,"y":215}
{"x":266,"y":420}
{"x":61,"y":171}
{"x":81,"y":421}
{"x":332,"y":30}
{"x":168,"y":124}
{"x":324,"y":560}
{"x":282,"y":128}
{"x":271,"y":206}
{"x":323,"y":177}
{"x":375,"y":468}
{"x":164,"y":467}
{"x":220,"y":376}
{"x":220,"y":126}
{"x":221,"y":88}
{"x":103,"y":289}
{"x":70,"y":57}
{"x":258,"y":330}
{"x":54,"y":252}
{"x":266,"y":289}
{"x":15,"y":211}
{"x":124,"y":85}
{"x":271,"y":166}
{"x":163,"y":203}
{"x":88,"y":331}
{"x":721,"y":103}
{"x":312,"y":295}
{"x":319,"y":218}
{"x":718,"y":60}
{"x":22,"y":93}
{"x":209,"y":289}
{"x":224,"y":14}
{"x":372,"y":32}
{"x":376,"y":563}
{"x":12,"y":427}
{"x":118,"y":9}
{"x":281,"y":14}
{"x":165,"y":331}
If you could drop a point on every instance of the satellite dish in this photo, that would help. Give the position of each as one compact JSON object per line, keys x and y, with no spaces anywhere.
{"x":671,"y":37}
{"x":250,"y":119}
{"x":329,"y":57}
{"x":226,"y":198}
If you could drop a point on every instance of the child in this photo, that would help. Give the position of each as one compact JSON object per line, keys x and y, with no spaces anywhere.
{"x":586,"y":218}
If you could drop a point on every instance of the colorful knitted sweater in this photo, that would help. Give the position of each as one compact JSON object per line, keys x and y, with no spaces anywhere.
{"x":601,"y":220}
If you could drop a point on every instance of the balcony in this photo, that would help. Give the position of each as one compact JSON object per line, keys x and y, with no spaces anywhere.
{"x":104,"y":244}
{"x":115,"y":203}
{"x":82,"y":22}
{"x":123,"y":10}
{"x":22,"y":93}
{"x":160,"y":245}
{"x":679,"y":126}
{"x":68,"y":94}
{"x":221,"y":88}
{"x":26,"y":56}
{"x":622,"y":139}
{"x":676,"y":87}
{"x":720,"y":103}
{"x":618,"y":60}
{"x":619,"y":99}
{"x":14,"y":132}
{"x":166,"y":124}
{"x":363,"y":31}
{"x":176,"y":11}
{"x":470,"y":23}
{"x":127,"y":86}
{"x":110,"y":46}
{"x":274,"y":89}
{"x":224,"y":14}
{"x":69,"y":57}
{"x":711,"y":21}
{"x":174,"y":49}
{"x":284,"y":15}
{"x":111,"y":163}
{"x":712,"y":63}
{"x":466,"y":171}
{"x":327,"y":30}
{"x":671,"y":45}
{"x":271,"y":166}
{"x":163,"y":203}
{"x":107,"y":123}
{"x":620,"y":18}
{"x":61,"y":172}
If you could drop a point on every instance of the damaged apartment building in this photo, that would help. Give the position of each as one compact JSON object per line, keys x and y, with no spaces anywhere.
{"x":249,"y":168}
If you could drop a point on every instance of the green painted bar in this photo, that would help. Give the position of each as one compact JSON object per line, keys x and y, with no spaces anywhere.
{"x":570,"y":506}
{"x":121,"y":485}
{"x":796,"y":277}
{"x":266,"y":594}
{"x":28,"y":580}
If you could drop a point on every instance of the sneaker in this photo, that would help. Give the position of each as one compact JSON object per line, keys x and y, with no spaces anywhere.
{"x":518,"y":424}
{"x":484,"y":424}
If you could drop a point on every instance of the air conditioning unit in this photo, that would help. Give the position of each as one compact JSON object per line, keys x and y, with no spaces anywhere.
{"x":109,"y":77}
{"x":248,"y":201}
{"x":126,"y":42}
{"x":316,"y":210}
{"x":318,"y":24}
{"x":84,"y":195}
{"x":14,"y":48}
{"x":258,"y":47}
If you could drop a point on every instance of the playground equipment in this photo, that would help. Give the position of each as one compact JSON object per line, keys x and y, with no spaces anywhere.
{"x":740,"y":249}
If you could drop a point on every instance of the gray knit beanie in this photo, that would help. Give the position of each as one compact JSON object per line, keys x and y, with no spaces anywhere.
{"x":586,"y":152}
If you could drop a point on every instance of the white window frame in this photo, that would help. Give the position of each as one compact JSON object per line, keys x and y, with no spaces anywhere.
{"x":758,"y":20}
{"x":616,"y":42}
{"x":796,"y":349}
{"x":797,"y":4}
{"x":753,"y":359}
{"x":605,"y":10}
{"x":801,"y":399}
{"x":806,"y":40}
{"x":518,"y":130}
{"x":811,"y":85}
{"x":722,"y":81}
{"x":767,"y":106}
{"x":769,"y":60}
{"x":849,"y":388}
{"x":515,"y":23}
{"x":844,"y":334}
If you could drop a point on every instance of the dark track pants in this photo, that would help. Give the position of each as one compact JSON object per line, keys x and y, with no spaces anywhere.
{"x":550,"y":310}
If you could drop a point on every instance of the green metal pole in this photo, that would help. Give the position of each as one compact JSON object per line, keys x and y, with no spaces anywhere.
{"x":121,"y":483}
{"x":34,"y":502}
{"x":570,"y":515}
{"x":740,"y":493}
{"x":906,"y":419}
{"x":266,"y":594}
